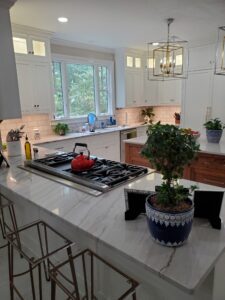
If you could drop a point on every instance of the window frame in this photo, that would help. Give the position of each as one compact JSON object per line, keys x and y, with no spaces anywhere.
{"x":87,"y":61}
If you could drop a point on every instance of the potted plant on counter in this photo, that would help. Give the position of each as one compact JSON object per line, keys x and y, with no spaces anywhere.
{"x":177,"y":118}
{"x":13,"y":141}
{"x":61,"y":128}
{"x":214,"y":130}
{"x":148,"y":115}
{"x":169,"y":211}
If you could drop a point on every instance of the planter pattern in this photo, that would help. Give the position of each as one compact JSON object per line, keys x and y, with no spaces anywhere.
{"x":169,"y":229}
{"x":214,"y":136}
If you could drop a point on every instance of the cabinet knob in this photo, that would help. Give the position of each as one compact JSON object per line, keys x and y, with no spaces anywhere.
{"x":38,"y":105}
{"x":35,"y":105}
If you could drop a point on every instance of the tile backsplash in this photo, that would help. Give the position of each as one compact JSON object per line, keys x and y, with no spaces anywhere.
{"x":31,"y":122}
{"x":123,"y":116}
{"x":133,"y":115}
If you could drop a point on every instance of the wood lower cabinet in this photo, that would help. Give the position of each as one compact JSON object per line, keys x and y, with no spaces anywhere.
{"x":133,"y":156}
{"x":207,"y":168}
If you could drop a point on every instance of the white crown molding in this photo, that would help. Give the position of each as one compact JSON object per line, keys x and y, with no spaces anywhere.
{"x":7,"y":3}
{"x":31,"y":30}
{"x":62,"y":42}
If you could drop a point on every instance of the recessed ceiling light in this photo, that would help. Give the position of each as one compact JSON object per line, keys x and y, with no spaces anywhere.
{"x":63,"y":20}
{"x":155,"y":44}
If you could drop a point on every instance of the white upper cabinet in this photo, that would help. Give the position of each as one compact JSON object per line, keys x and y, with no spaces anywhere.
{"x":33,"y":64}
{"x":31,"y":44}
{"x":170,"y":92}
{"x":197,"y":99}
{"x":129,"y":78}
{"x":201,"y":58}
{"x":34,"y":80}
{"x":151,"y":90}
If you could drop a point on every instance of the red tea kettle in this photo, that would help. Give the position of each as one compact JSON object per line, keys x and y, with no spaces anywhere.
{"x":82,"y":162}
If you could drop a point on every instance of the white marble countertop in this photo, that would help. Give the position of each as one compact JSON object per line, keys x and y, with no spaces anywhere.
{"x":103,"y":219}
{"x":55,"y":138}
{"x":204,"y":145}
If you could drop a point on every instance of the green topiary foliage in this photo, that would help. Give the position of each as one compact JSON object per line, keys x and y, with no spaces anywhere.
{"x":169,"y":149}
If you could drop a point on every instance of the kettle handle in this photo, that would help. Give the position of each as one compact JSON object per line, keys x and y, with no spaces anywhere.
{"x":81,"y":145}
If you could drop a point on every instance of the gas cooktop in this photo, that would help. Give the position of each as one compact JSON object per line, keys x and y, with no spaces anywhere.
{"x":102,"y":177}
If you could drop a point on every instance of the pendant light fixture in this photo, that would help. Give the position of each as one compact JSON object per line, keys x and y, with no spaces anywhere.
{"x":168,"y":59}
{"x":220,"y":59}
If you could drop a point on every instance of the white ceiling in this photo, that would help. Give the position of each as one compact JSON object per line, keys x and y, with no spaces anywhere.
{"x":122,"y":23}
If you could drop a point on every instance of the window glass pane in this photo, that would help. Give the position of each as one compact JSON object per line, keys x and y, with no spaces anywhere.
{"x":20,"y":45}
{"x":39,"y":48}
{"x":58,"y":92}
{"x":103,"y":89}
{"x":80,"y":84}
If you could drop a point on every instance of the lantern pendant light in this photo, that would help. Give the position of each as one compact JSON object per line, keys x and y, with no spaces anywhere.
{"x":168,"y":59}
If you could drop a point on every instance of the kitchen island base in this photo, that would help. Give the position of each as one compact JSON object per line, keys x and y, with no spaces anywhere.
{"x":152,"y":286}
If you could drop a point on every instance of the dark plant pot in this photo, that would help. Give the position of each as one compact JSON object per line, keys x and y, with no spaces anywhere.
{"x":169,"y":229}
{"x":62,"y":132}
{"x":213,"y":136}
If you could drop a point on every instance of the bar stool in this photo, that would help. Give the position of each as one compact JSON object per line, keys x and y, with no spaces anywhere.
{"x":8,"y":224}
{"x":46,"y":243}
{"x":87,"y":276}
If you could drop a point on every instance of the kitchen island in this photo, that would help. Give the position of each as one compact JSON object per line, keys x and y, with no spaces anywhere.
{"x":208,"y":167}
{"x":193,"y":271}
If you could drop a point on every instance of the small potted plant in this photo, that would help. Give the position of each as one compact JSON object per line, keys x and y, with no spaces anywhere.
{"x":148,"y":115}
{"x":214,"y":130}
{"x":169,"y":210}
{"x":13,"y":141}
{"x":177,"y":118}
{"x":61,"y":128}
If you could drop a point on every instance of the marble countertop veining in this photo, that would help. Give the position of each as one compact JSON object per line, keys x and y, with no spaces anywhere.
{"x":103,"y":218}
{"x":204,"y":145}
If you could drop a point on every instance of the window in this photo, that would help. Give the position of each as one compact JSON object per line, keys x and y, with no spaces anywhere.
{"x":81,"y":88}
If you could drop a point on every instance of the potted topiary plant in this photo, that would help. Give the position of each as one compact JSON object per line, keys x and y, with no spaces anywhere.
{"x":148,"y":115}
{"x":214,"y":130}
{"x":61,"y":128}
{"x":169,"y":210}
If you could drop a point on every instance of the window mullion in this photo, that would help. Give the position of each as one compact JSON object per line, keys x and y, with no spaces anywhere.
{"x":65,"y":90}
{"x":96,"y":85}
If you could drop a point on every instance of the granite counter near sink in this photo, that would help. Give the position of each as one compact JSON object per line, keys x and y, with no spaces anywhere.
{"x":185,"y":273}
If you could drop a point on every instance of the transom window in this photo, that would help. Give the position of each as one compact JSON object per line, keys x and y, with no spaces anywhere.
{"x":81,"y":88}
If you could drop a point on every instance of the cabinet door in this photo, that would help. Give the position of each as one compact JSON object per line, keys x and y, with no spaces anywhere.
{"x":39,"y":48}
{"x":218,"y":105}
{"x":170,"y":92}
{"x":25,"y":82}
{"x":198,"y":89}
{"x":31,"y":47}
{"x":42,"y":87}
{"x":34,"y":81}
{"x":134,"y":87}
{"x":150,"y":91}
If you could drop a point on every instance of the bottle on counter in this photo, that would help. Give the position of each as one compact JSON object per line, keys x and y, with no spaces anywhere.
{"x":27,"y":146}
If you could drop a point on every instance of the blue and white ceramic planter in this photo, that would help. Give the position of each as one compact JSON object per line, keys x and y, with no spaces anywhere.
{"x":169,"y":229}
{"x":213,"y":136}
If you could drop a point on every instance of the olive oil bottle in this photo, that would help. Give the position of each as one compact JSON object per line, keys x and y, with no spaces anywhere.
{"x":28,"y":153}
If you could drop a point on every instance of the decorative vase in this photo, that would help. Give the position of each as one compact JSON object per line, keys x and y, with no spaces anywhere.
{"x":169,"y":228}
{"x":213,"y":136}
{"x":14,"y":148}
